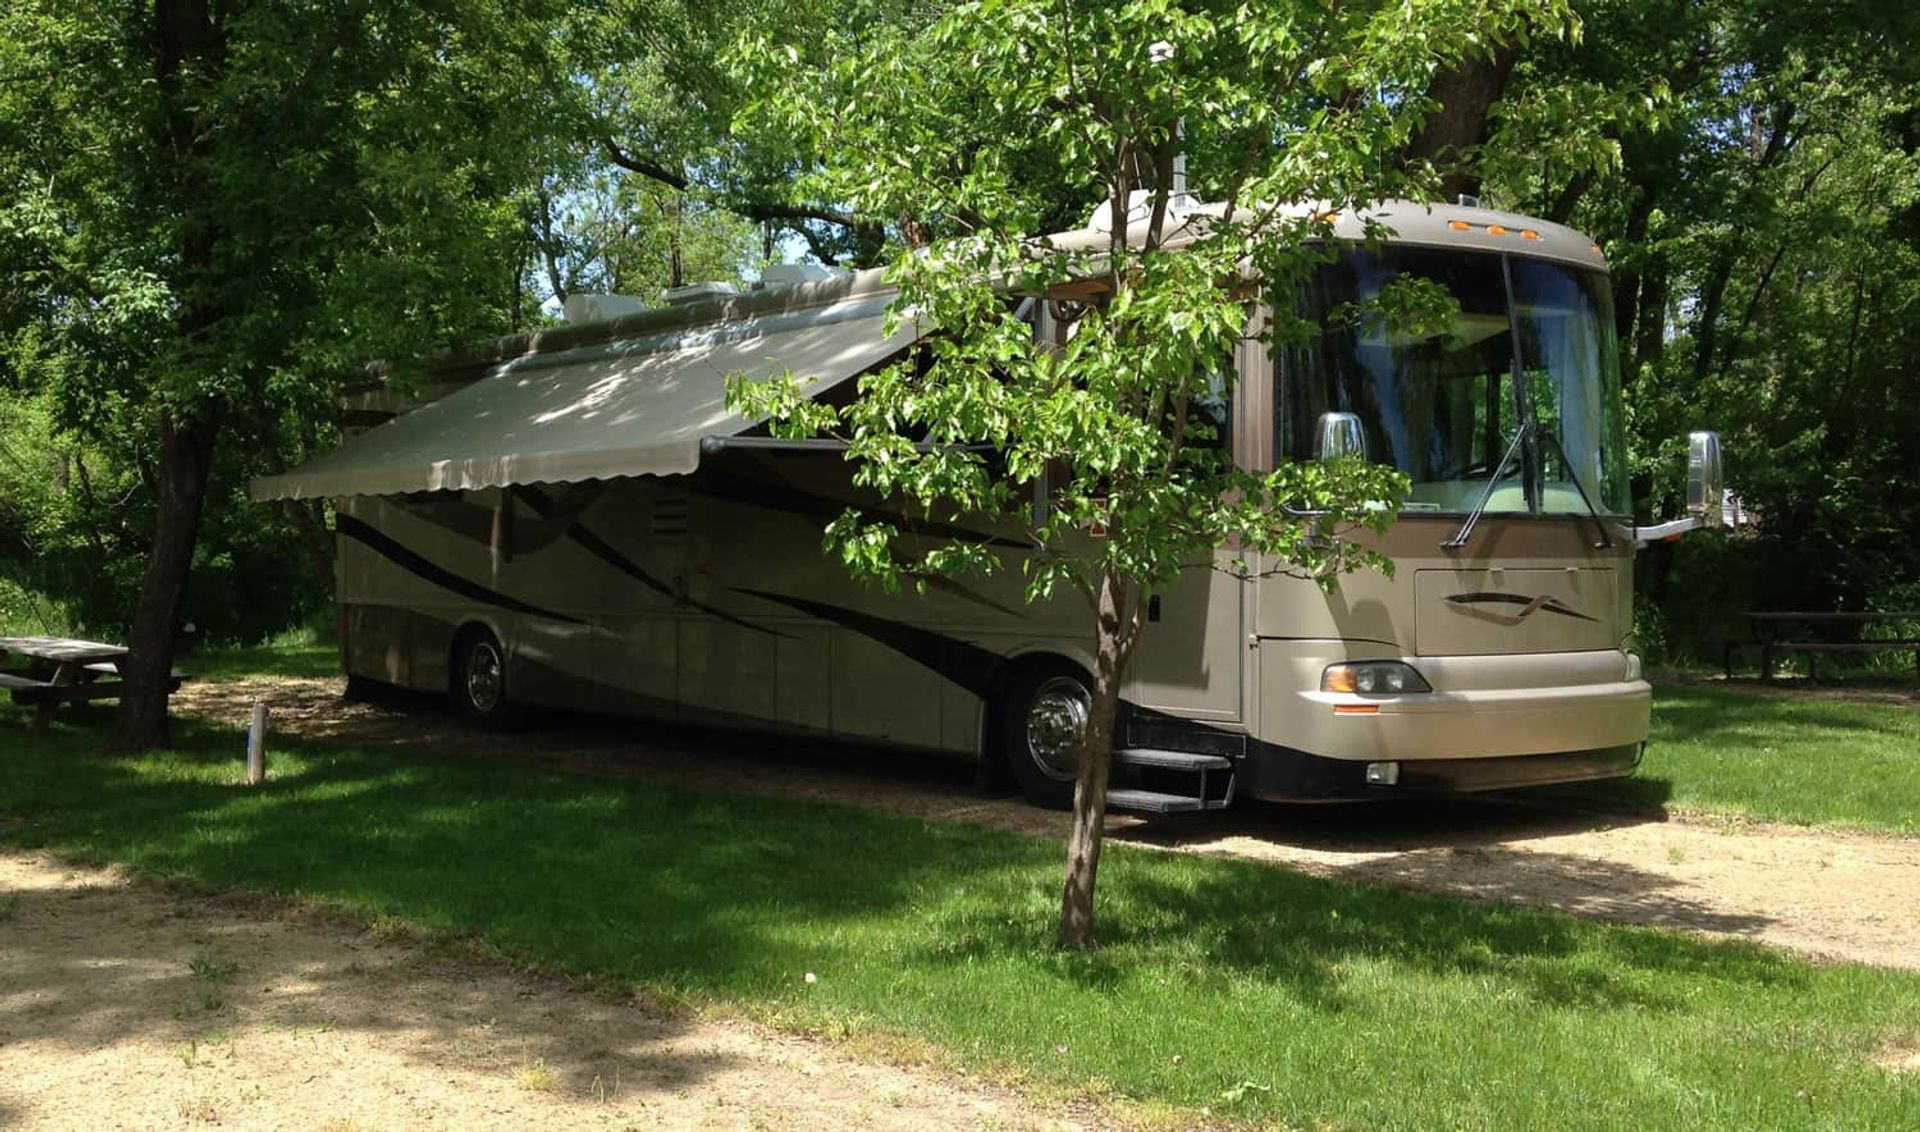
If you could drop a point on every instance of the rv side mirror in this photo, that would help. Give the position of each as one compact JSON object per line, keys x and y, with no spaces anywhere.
{"x":1706,"y":484}
{"x":1339,"y":434}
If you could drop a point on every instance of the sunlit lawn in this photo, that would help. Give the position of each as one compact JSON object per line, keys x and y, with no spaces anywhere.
{"x":1810,"y":758}
{"x":1252,"y":991}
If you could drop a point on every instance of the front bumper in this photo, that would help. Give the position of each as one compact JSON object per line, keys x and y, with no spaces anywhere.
{"x":1279,"y":774}
{"x":1490,"y":722}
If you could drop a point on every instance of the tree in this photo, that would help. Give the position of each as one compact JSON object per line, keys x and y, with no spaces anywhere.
{"x":1751,"y":170}
{"x":1273,"y":102}
{"x":598,"y":233}
{"x":656,"y":102}
{"x":214,"y":209}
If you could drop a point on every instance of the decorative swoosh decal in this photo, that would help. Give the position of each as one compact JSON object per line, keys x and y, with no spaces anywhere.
{"x":947,"y":585}
{"x":421,"y":567}
{"x":793,"y":501}
{"x":968,"y":665}
{"x":1471,"y":603}
{"x":978,"y":670}
{"x":601,"y":549}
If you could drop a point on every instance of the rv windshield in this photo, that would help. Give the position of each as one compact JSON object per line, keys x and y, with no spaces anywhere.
{"x":1444,"y":408}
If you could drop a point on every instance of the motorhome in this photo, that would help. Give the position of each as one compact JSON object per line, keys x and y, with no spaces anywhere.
{"x":575,"y":518}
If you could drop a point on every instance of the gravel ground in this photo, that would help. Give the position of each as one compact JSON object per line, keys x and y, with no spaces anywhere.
{"x":129,"y":1005}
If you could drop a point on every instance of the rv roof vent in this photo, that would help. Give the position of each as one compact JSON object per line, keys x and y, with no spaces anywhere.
{"x":599,"y":308}
{"x":680,"y":296}
{"x":789,"y":274}
{"x":1140,"y":208}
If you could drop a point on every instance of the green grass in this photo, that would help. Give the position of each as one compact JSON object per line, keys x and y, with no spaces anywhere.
{"x":1252,"y":991}
{"x":306,"y":658}
{"x":24,"y":613}
{"x":1809,"y":760}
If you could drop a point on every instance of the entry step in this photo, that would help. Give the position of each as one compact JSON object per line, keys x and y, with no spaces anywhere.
{"x":1154,"y":802}
{"x":1171,"y":760}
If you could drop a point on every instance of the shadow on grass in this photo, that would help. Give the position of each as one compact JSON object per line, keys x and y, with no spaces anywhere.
{"x":1226,"y":923}
{"x":656,"y":883}
{"x":1446,"y":823}
{"x":1644,"y":795}
{"x":919,"y":924}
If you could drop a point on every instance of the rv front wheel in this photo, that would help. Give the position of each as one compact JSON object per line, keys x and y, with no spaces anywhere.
{"x":1046,"y":717}
{"x":480,"y":678}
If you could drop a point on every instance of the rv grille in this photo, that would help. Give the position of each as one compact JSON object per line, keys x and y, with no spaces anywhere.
{"x":670,"y":515}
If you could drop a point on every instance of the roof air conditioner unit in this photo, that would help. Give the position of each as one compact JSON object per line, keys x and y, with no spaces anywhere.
{"x":680,"y":296}
{"x":790,"y":274}
{"x":580,"y":308}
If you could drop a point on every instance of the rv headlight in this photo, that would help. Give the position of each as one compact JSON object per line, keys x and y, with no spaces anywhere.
{"x":1373,"y":678}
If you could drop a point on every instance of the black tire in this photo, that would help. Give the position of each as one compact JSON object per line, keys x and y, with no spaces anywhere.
{"x":1043,"y":717}
{"x":478,"y":682}
{"x":362,"y":690}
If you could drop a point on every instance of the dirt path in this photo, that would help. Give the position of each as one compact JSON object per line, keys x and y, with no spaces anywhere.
{"x":1833,"y":895}
{"x":124,"y":1005}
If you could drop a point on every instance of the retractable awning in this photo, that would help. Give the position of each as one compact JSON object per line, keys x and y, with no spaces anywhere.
{"x":634,"y":407}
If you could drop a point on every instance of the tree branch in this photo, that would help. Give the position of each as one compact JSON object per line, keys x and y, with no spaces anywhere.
{"x":1563,"y":204}
{"x":652,"y":170}
{"x":751,"y":210}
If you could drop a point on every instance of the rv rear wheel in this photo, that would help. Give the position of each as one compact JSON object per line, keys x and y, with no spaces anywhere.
{"x":479,"y":684}
{"x":1045,"y":720}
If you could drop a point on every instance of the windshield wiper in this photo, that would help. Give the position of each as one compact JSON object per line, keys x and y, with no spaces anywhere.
{"x":1465,"y":532}
{"x":1599,"y":524}
{"x":1526,"y":432}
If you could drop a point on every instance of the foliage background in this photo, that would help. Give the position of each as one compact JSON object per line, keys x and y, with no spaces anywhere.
{"x":1751,"y":167}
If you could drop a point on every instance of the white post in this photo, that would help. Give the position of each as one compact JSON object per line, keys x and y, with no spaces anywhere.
{"x":257,"y":745}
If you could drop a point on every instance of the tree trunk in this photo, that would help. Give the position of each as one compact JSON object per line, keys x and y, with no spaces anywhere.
{"x":1561,"y":210}
{"x":186,"y":461}
{"x":1626,"y":280}
{"x":1707,"y":326}
{"x":187,"y":44}
{"x":1465,"y":95}
{"x":676,"y":263}
{"x":1118,"y":616}
{"x":311,"y":517}
{"x":1651,"y":341}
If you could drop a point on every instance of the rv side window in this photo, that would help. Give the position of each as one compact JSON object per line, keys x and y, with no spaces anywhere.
{"x":1210,"y":415}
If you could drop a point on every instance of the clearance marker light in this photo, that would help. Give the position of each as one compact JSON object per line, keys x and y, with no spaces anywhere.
{"x":1459,"y":225}
{"x":1529,"y":234}
{"x":1496,"y":230}
{"x":1356,"y":709}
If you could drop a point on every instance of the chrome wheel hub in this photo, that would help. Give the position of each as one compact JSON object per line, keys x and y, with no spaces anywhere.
{"x":1057,"y":725}
{"x":483,"y":677}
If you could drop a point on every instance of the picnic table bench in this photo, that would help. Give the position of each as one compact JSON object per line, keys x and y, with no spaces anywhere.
{"x":1814,"y":633}
{"x":61,"y":670}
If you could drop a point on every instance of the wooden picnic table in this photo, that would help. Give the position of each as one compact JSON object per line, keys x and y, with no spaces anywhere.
{"x":1812,"y":632}
{"x":59,"y":670}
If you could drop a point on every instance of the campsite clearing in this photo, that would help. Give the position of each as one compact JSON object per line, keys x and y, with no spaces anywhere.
{"x":1832,"y":893}
{"x":1225,"y":988}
